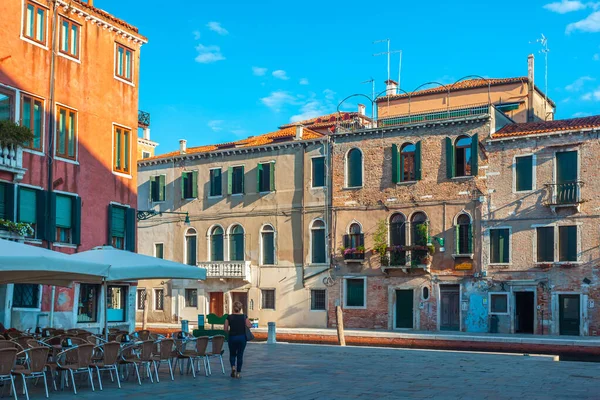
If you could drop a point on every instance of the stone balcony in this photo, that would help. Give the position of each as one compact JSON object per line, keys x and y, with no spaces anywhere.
{"x":11,"y":160}
{"x":227,"y":270}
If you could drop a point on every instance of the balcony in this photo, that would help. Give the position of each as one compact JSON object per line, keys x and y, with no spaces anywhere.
{"x":143,"y":119}
{"x":227,"y":270}
{"x":406,"y":258}
{"x":357,"y":256}
{"x":563,"y":195}
{"x":11,"y":160}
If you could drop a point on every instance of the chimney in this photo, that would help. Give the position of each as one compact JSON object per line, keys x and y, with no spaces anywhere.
{"x":530,"y":87}
{"x":299,"y":132}
{"x":146,"y":133}
{"x":391,"y":87}
{"x":361,"y":109}
{"x":182,"y":146}
{"x":90,"y":2}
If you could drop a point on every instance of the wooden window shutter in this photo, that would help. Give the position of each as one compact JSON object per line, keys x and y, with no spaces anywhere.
{"x":161,"y":187}
{"x":449,"y":158}
{"x":194,"y":184}
{"x":109,"y":226}
{"x":395,"y":164}
{"x":470,"y":238}
{"x":229,"y":180}
{"x":76,"y":220}
{"x":130,"y":220}
{"x":361,"y":239}
{"x":9,"y":202}
{"x":152,"y":191}
{"x":183,"y":182}
{"x":418,"y":161}
{"x":456,"y":239}
{"x":259,"y":178}
{"x":474,"y":155}
{"x":41,"y":197}
{"x":243,"y":179}
{"x":51,"y":227}
{"x":272,"y":177}
{"x":346,"y":241}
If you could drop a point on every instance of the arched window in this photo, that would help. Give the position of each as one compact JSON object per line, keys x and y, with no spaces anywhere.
{"x":236,"y":243}
{"x":397,"y":240}
{"x":317,"y":241}
{"x":216,"y":244}
{"x":419,"y":236}
{"x":354,"y":238}
{"x":267,"y":237}
{"x":408,"y":162}
{"x":191,"y":246}
{"x":354,"y":168}
{"x":464,"y":235}
{"x":462,"y":157}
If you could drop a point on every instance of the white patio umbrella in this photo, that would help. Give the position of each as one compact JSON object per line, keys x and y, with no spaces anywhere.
{"x":22,"y":263}
{"x":128,"y":266}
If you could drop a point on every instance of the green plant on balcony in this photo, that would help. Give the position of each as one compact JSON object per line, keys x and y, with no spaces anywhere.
{"x":19,"y":228}
{"x":380,"y":241}
{"x":14,"y":134}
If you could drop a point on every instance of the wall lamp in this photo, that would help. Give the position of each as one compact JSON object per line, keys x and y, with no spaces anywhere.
{"x":143,"y":215}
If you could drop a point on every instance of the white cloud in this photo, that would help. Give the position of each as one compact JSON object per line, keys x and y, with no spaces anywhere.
{"x":565,"y":6}
{"x":258,"y":71}
{"x":312,"y":109}
{"x":329,"y":94}
{"x":276,"y":100}
{"x":216,"y":125}
{"x":208,"y":54}
{"x":596,"y":57}
{"x":280,"y":74}
{"x":196,"y":35}
{"x":589,"y":24}
{"x":587,"y":97}
{"x":578,"y":84}
{"x":303,"y":81}
{"x":239,"y":132}
{"x":216,"y":27}
{"x":581,"y":114}
{"x":596,"y":94}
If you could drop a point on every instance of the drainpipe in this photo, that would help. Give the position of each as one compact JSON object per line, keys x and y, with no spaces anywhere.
{"x":303,"y":219}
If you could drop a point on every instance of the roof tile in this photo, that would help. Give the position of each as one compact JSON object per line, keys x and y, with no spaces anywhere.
{"x":535,"y":128}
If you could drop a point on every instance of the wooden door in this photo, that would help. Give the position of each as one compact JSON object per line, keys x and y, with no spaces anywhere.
{"x":566,"y":177}
{"x":569,"y":314}
{"x":450,"y":308}
{"x":216,"y":303}
{"x":404,"y":308}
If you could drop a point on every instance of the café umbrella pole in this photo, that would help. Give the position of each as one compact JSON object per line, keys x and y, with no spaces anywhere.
{"x":105,"y":289}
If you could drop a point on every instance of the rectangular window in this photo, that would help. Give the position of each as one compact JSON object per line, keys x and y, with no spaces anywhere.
{"x":523,"y":173}
{"x":121,"y":145}
{"x":498,"y":303}
{"x":66,"y":133}
{"x":28,"y":207}
{"x":124,"y":62}
{"x":268,"y":299}
{"x":189,"y":185}
{"x":159,"y":299}
{"x":318,"y":172}
{"x":145,"y":154}
{"x":318,"y":300}
{"x":116,"y":302}
{"x":7,"y":104}
{"x":159,"y":250}
{"x":236,"y":180}
{"x":118,"y":226}
{"x":499,"y":246}
{"x":545,"y":244}
{"x":157,"y":188}
{"x":69,"y":38}
{"x":266,"y":177}
{"x":355,"y":293}
{"x":567,"y":243}
{"x":215,"y":182}
{"x":4,"y":192}
{"x":141,"y":299}
{"x":87,"y":311}
{"x":191,"y":298}
{"x":26,"y":296}
{"x":32,"y":115}
{"x":34,"y":22}
{"x":64,"y":223}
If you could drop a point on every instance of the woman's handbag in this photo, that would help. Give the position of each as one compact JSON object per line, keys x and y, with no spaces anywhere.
{"x":249,"y":334}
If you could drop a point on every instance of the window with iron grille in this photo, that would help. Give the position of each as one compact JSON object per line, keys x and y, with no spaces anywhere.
{"x":141,"y":299}
{"x":318,"y":299}
{"x":88,"y":303}
{"x":268,"y":299}
{"x":26,"y":296}
{"x":159,"y":299}
{"x":191,"y":298}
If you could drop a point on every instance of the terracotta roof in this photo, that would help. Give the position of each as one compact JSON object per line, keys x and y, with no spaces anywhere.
{"x":535,"y":128}
{"x":282,"y":135}
{"x":325,"y":120}
{"x":108,"y":16}
{"x":463,"y":85}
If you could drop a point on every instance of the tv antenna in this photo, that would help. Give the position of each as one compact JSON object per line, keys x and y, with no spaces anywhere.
{"x":389,"y":53}
{"x":543,"y":41}
{"x":372,"y":82}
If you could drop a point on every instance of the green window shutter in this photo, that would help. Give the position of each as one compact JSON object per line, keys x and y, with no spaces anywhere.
{"x":109,"y":225}
{"x":130,"y":230}
{"x":3,"y":200}
{"x":229,"y":181}
{"x":470,"y":238}
{"x":475,"y":155}
{"x":183,"y":183}
{"x":64,"y":211}
{"x":195,"y":184}
{"x":117,"y":223}
{"x":243,"y":179}
{"x":524,"y":173}
{"x":216,"y":250}
{"x":318,"y":246}
{"x":272,"y":177}
{"x":259,"y":178}
{"x":152,"y":191}
{"x":268,"y":251}
{"x":395,"y":164}
{"x":545,"y":244}
{"x":354,"y":168}
{"x":51,"y":227}
{"x":76,"y":220}
{"x":161,"y":187}
{"x":418,"y":173}
{"x":500,"y":240}
{"x":9,"y":201}
{"x":27,"y":205}
{"x":456,"y":239}
{"x":318,"y":172}
{"x":356,"y":293}
{"x":236,"y":243}
{"x":216,"y":182}
{"x":41,"y":221}
{"x":449,"y":158}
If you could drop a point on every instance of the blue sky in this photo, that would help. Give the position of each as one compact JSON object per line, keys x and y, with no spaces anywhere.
{"x":216,"y":71}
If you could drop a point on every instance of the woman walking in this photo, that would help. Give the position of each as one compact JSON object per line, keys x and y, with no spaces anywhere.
{"x":236,"y":325}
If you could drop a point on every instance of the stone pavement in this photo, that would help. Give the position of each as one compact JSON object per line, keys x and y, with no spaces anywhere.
{"x":295,"y":371}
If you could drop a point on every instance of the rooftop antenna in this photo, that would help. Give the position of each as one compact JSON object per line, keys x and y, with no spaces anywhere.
{"x":388,"y":54}
{"x":372,"y":82}
{"x":543,"y":41}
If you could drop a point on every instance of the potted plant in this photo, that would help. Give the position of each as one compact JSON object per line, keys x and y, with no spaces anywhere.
{"x":12,"y":134}
{"x":18,"y":228}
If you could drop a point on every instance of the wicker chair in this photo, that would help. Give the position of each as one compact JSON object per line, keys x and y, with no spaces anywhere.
{"x":194,"y":350}
{"x":37,"y":358}
{"x":164,"y":354}
{"x":109,"y":361}
{"x":8,"y":358}
{"x":77,"y":360}
{"x":143,"y":334}
{"x":217,"y":351}
{"x":139,"y":354}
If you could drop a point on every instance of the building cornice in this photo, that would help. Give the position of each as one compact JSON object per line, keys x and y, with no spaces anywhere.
{"x":544,"y":135}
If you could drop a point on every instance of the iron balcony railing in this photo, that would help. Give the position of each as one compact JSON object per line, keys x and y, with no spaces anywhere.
{"x":143,"y":119}
{"x":227,"y":269}
{"x":357,"y":256}
{"x":563,"y":194}
{"x":395,"y":258}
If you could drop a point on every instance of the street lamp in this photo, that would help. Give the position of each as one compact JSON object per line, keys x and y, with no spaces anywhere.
{"x":143,"y":215}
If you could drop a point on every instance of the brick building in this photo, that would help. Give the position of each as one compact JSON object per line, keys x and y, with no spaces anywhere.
{"x":75,"y":183}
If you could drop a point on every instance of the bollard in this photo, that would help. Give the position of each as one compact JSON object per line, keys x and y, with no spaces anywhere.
{"x":271,"y":336}
{"x":185,"y":326}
